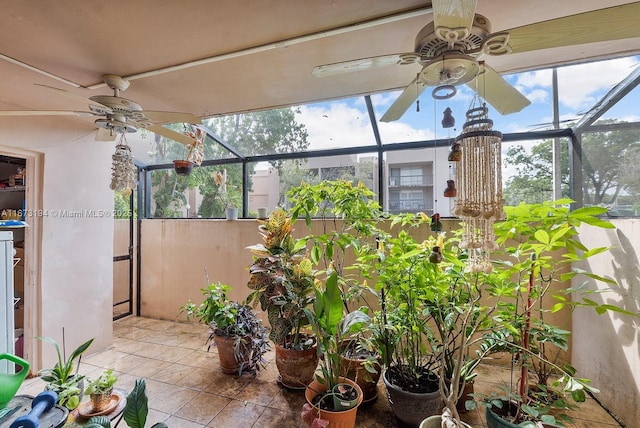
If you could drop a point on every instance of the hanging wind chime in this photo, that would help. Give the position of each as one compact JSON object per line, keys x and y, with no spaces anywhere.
{"x":479,"y":183}
{"x":123,"y":170}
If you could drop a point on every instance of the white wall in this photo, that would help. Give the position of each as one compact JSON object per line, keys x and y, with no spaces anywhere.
{"x":73,"y":276}
{"x":606,"y":348}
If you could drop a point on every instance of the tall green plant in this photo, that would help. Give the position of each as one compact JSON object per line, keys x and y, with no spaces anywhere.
{"x":331,"y":327}
{"x":62,"y":378}
{"x":282,"y":281}
{"x":540,"y":245}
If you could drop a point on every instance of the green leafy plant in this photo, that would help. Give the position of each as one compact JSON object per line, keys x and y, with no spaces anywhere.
{"x":282,"y":281}
{"x":103,"y":383}
{"x":62,"y":378}
{"x":540,"y":245}
{"x":331,"y":328}
{"x":228,"y":318}
{"x":135,"y":411}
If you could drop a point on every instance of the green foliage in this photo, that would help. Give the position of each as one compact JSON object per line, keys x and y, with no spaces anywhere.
{"x":282,"y":280}
{"x":135,"y":411}
{"x":610,"y":165}
{"x":215,"y":310}
{"x":227,"y":318}
{"x":103,"y":383}
{"x":331,"y":328}
{"x":539,"y":245}
{"x":348,"y":216}
{"x":61,"y":378}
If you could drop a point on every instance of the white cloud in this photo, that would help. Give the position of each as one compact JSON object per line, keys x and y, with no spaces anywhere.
{"x":581,"y":85}
{"x":537,"y":95}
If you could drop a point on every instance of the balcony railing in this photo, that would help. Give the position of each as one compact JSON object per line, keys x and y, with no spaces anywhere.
{"x":410,"y":181}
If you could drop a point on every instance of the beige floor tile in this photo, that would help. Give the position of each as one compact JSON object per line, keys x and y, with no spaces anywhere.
{"x":171,"y":398}
{"x":275,"y":418}
{"x":176,"y":422}
{"x":203,"y":408}
{"x":162,"y":352}
{"x":187,"y":390}
{"x":237,"y":414}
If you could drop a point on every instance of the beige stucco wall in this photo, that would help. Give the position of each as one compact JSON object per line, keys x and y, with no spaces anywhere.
{"x":70,"y":262}
{"x":606,"y":348}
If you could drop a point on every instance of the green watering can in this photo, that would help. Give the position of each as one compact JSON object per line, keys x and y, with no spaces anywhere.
{"x":10,"y":382}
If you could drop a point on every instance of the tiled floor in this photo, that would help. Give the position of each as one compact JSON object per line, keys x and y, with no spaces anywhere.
{"x":187,"y":390}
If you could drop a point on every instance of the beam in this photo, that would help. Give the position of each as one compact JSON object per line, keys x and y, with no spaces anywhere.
{"x":609,"y":100}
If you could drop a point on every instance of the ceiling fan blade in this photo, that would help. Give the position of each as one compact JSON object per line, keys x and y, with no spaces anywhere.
{"x":404,"y":101}
{"x":365,"y":64}
{"x":613,"y":23}
{"x":452,"y":19}
{"x":104,"y":134}
{"x":172,"y":117}
{"x":77,"y":97}
{"x":498,"y":92}
{"x":45,"y":113}
{"x":166,"y":132}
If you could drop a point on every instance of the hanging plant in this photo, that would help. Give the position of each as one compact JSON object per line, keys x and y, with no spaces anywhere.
{"x":195,"y":152}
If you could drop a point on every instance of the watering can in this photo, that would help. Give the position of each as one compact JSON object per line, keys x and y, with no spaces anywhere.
{"x":10,"y":382}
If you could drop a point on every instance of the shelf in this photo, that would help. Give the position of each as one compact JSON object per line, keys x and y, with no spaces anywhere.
{"x":12,"y":189}
{"x":12,"y":224}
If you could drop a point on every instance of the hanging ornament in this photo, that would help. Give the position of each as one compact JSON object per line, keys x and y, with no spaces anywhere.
{"x":436,"y":224}
{"x":123,"y":170}
{"x":450,"y":191}
{"x":448,"y":121}
{"x":436,"y":255}
{"x":455,"y":152}
{"x":479,"y":181}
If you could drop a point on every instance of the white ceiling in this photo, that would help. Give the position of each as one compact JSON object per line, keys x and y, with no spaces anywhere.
{"x":257,"y":53}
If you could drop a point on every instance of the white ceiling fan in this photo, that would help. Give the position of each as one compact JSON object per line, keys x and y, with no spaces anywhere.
{"x":450,"y":48}
{"x":117,"y":115}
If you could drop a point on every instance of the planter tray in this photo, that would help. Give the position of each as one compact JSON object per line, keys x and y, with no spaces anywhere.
{"x":116,"y":405}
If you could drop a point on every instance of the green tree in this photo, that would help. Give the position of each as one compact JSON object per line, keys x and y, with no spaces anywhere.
{"x":533,"y":181}
{"x":263,"y":132}
{"x":609,"y":168}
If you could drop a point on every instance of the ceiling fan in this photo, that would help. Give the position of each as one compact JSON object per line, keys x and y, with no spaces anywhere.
{"x":117,"y":115}
{"x":450,"y":47}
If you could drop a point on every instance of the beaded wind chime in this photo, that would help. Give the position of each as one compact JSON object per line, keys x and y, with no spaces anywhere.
{"x":479,"y":182}
{"x":123,"y":170}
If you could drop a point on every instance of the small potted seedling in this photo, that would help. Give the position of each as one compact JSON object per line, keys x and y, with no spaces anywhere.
{"x":100,"y":390}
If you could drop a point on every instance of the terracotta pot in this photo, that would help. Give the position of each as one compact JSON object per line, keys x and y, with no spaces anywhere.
{"x":226,"y":354}
{"x":183,"y":167}
{"x":354,"y":369}
{"x":296,"y":368}
{"x":343,"y":419}
{"x":100,"y":401}
{"x":412,"y":408}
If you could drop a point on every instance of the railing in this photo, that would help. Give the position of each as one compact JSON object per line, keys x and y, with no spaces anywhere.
{"x":410,"y":181}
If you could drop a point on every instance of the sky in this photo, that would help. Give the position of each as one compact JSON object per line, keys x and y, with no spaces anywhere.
{"x":345,"y":123}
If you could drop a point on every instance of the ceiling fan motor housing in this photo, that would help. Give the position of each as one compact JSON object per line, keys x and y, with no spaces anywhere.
{"x":429,"y":45}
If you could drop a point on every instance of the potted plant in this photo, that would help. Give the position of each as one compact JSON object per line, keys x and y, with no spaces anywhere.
{"x":405,"y":278}
{"x":100,"y":390}
{"x":330,"y":327}
{"x":62,"y":378}
{"x":194,"y":152}
{"x":347,"y":215}
{"x":135,"y":411}
{"x":221,"y":195}
{"x":282,"y":283}
{"x":540,"y":244}
{"x":235,"y":330}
